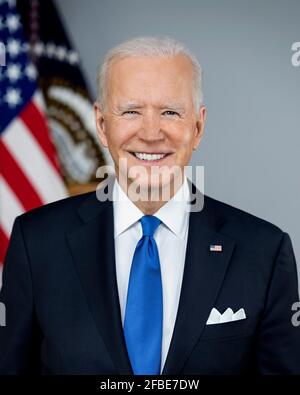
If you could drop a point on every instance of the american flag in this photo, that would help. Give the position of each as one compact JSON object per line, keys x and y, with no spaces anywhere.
{"x":29,"y":171}
{"x":215,"y":248}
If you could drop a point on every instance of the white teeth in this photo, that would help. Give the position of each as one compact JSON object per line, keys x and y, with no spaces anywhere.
{"x":144,"y":156}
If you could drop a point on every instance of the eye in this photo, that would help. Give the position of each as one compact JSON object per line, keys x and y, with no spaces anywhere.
{"x":130,"y":112}
{"x":170,"y":112}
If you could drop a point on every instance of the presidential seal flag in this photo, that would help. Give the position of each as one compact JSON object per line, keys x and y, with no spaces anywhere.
{"x":69,"y":104}
{"x":30,"y":175}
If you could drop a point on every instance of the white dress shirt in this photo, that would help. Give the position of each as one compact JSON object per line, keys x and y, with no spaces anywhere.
{"x":171,"y":239}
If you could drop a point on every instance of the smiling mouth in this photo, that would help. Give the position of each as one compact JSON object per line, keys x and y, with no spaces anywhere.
{"x":149,"y":157}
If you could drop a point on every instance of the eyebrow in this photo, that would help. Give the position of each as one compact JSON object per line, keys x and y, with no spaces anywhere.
{"x":129,"y":106}
{"x":134,"y":105}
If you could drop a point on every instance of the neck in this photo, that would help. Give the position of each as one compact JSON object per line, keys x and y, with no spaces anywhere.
{"x":148,"y":206}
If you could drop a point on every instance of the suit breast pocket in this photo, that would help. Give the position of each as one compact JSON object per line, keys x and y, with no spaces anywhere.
{"x":239,"y":328}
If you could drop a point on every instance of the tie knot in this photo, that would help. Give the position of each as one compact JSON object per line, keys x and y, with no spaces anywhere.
{"x":149,"y":224}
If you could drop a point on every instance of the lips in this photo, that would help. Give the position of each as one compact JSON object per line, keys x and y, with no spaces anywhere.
{"x":147,"y":157}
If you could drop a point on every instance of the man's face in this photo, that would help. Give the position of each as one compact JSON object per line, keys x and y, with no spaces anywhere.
{"x":150,"y":110}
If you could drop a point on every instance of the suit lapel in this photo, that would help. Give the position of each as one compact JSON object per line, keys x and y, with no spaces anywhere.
{"x":92,"y":248}
{"x":202,"y":279}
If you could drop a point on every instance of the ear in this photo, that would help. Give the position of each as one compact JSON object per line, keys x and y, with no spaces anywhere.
{"x":100,"y":124}
{"x":199,"y":128}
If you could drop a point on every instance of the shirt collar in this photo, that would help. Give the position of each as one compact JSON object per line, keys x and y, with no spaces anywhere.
{"x":126,"y":213}
{"x":173,"y":214}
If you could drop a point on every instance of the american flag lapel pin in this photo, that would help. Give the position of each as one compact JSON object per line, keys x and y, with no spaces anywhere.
{"x":215,"y":247}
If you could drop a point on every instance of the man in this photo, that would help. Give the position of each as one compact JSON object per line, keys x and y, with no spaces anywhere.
{"x":135,"y":285}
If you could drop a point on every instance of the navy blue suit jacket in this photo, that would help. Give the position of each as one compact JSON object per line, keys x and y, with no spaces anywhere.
{"x":62,"y":305}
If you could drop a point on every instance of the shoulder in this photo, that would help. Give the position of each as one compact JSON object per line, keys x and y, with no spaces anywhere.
{"x":244,"y":226}
{"x":66,"y":213}
{"x":258,"y":242}
{"x":61,"y":213}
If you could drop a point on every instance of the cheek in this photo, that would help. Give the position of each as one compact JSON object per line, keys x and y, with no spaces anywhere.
{"x":185,"y":138}
{"x":119,"y":132}
{"x":185,"y":143}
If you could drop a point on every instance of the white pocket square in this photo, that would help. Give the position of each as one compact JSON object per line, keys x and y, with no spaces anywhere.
{"x":216,"y":317}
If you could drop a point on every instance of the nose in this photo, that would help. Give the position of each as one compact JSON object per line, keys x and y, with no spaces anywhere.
{"x":151,"y":128}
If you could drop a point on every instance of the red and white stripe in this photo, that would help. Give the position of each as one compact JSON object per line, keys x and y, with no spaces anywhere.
{"x":29,"y":171}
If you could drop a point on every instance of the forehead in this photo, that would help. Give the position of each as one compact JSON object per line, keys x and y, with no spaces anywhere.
{"x":150,"y":76}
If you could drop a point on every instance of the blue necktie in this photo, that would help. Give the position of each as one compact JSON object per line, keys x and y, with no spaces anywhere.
{"x":144,"y":306}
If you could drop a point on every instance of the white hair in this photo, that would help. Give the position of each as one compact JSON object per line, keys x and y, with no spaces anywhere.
{"x":150,"y":46}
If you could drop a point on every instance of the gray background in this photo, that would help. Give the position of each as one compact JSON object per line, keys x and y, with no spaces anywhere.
{"x":251,"y":147}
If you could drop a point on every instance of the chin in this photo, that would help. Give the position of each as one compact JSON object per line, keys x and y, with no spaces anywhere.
{"x":152,"y":190}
